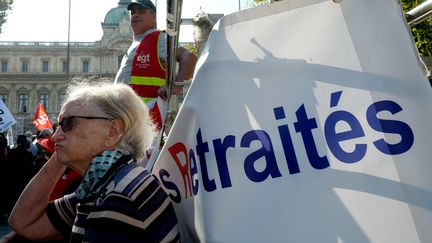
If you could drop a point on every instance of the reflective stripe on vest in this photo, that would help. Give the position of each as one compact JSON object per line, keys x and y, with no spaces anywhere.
{"x":148,"y":75}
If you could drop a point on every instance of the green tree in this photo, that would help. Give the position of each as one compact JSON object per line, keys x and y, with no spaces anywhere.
{"x":191,"y":47}
{"x":422,"y":32}
{"x":5,"y":6}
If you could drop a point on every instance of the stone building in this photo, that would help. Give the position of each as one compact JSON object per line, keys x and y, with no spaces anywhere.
{"x":37,"y":72}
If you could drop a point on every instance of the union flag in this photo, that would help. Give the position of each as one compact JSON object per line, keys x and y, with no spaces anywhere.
{"x":41,"y":119}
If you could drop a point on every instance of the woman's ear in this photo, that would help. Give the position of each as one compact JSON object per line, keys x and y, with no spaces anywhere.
{"x":116,"y":130}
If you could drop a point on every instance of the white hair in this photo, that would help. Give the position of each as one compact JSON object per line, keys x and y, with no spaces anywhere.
{"x":118,"y":101}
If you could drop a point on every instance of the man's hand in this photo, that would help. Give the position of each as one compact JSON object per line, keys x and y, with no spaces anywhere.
{"x":163,"y":93}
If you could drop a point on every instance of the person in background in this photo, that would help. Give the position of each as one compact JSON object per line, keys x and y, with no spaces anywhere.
{"x":41,"y":155}
{"x":32,"y":145}
{"x":104,"y":129}
{"x":19,"y":170}
{"x":66,"y":184}
{"x":143,"y":66}
{"x":4,"y":182}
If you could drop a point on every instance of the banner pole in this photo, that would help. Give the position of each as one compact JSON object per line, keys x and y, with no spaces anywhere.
{"x":419,"y":13}
{"x":173,"y":20}
{"x":174,"y":8}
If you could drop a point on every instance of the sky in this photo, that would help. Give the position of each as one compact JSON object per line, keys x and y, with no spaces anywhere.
{"x":47,"y":20}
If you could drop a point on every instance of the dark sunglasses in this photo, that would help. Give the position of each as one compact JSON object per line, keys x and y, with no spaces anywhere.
{"x":66,"y":123}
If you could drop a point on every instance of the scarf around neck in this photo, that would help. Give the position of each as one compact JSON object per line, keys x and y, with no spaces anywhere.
{"x":98,"y":168}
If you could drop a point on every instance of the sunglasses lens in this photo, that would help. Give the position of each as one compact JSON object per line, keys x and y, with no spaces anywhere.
{"x":66,"y":124}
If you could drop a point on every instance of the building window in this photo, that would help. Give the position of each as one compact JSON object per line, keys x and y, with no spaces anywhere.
{"x":4,"y":98}
{"x":43,"y":99}
{"x":61,"y":99}
{"x":65,"y":64}
{"x":85,"y":66}
{"x":24,"y":67}
{"x":23,"y":102}
{"x":44,"y":66}
{"x":4,"y":66}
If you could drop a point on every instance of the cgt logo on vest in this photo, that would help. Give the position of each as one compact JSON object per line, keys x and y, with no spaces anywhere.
{"x":303,"y":128}
{"x":143,"y":58}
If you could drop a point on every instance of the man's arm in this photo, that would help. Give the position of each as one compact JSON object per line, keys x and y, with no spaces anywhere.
{"x":28,"y":217}
{"x":187,"y":61}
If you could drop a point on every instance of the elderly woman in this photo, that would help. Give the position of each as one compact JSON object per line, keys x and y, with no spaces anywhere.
{"x":103,"y":130}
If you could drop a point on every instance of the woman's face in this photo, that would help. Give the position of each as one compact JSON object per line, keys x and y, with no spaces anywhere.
{"x":81,"y":135}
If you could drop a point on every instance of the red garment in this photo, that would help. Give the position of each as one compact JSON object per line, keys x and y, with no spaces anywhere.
{"x":66,"y":184}
{"x":47,"y":144}
{"x":148,"y":74}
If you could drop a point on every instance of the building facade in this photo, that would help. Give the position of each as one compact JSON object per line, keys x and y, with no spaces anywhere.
{"x":38,"y":72}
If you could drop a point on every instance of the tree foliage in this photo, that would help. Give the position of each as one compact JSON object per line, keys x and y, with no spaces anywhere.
{"x":422,"y":32}
{"x":191,"y":47}
{"x":5,"y":6}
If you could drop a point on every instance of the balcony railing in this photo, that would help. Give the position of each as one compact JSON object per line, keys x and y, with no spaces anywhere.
{"x":45,"y":44}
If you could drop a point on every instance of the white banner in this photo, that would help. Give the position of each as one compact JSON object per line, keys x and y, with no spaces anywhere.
{"x":307,"y":121}
{"x":10,"y":138}
{"x":6,"y":118}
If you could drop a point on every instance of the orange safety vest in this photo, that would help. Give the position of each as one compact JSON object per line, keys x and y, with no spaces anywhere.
{"x":148,"y":74}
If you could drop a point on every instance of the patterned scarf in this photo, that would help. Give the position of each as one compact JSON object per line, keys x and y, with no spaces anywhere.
{"x":98,"y":167}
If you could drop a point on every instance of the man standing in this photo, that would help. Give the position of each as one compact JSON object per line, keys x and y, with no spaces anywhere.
{"x":143,"y":66}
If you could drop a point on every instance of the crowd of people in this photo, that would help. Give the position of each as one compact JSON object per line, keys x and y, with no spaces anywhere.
{"x":18,"y":164}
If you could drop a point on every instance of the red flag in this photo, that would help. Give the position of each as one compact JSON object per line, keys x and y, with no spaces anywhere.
{"x":156,"y":116}
{"x":41,"y":119}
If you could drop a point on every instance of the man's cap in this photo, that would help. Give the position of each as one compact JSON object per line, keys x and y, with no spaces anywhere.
{"x":143,"y":4}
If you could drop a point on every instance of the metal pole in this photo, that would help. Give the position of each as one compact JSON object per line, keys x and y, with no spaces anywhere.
{"x":173,"y":29}
{"x":174,"y":8}
{"x":68,"y":44}
{"x":419,"y":13}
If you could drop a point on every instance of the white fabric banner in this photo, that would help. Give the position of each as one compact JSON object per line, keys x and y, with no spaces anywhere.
{"x":307,"y":121}
{"x":6,"y":118}
{"x":10,"y":138}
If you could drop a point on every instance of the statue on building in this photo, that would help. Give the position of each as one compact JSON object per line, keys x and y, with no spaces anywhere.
{"x":202,"y":26}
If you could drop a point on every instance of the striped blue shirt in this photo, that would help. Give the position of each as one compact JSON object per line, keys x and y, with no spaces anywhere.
{"x":132,"y":207}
